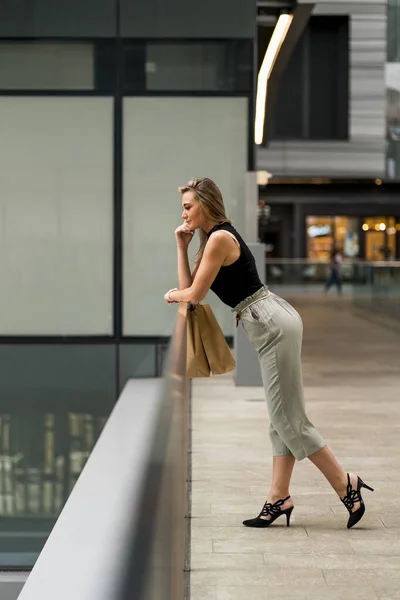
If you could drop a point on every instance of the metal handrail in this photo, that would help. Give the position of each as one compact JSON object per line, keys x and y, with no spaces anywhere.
{"x":165,"y":503}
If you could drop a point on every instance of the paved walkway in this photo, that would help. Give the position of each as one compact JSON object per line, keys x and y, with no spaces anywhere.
{"x":352,"y":388}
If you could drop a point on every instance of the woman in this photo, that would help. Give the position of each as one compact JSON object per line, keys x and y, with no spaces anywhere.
{"x":225,"y":264}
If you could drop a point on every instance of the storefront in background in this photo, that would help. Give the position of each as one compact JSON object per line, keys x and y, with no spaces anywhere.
{"x":359,"y":219}
{"x":327,"y":233}
{"x":381,"y":235}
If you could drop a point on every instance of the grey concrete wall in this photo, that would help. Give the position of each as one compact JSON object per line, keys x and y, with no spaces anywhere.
{"x":57,"y":18}
{"x":138,"y":19}
{"x":188,"y":18}
{"x":364,"y":153}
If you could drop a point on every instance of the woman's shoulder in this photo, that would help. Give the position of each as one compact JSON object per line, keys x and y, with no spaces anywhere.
{"x":220,"y":235}
{"x":226,"y":238}
{"x":227,"y":226}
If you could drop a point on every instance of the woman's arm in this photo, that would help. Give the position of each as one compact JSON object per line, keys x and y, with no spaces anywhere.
{"x":184,"y":274}
{"x":215,"y":253}
{"x":183,"y":238}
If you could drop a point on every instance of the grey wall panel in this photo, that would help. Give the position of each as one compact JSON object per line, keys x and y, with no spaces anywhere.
{"x":58,"y":18}
{"x":325,"y":159}
{"x":188,"y":18}
{"x":363,"y":155}
{"x":57,"y":377}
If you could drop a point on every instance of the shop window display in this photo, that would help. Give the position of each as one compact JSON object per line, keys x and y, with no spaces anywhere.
{"x":380,"y":238}
{"x":324,"y":234}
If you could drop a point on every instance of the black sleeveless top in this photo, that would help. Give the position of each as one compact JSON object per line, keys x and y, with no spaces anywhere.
{"x":239,"y":280}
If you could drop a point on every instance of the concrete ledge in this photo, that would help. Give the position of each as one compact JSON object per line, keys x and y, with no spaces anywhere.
{"x":11,"y":584}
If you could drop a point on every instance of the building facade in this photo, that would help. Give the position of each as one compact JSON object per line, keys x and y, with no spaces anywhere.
{"x":331,"y":153}
{"x":332,"y":103}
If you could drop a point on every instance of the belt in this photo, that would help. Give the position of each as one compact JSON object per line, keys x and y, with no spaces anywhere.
{"x":239,"y":313}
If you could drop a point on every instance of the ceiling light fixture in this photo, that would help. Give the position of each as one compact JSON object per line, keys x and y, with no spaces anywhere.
{"x":275,"y":43}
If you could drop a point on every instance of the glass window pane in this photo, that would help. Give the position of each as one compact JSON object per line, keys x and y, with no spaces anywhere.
{"x":184,"y":138}
{"x":57,"y":66}
{"x":54,"y":402}
{"x":136,"y":360}
{"x":288,"y":113}
{"x":312,"y":98}
{"x":393,"y":31}
{"x":56,"y":226}
{"x":323,"y":82}
{"x":200,"y":66}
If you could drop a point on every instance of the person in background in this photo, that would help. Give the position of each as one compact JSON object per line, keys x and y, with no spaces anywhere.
{"x":335,"y":277}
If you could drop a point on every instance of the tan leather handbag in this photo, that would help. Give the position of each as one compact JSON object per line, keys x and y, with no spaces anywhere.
{"x":207,"y":350}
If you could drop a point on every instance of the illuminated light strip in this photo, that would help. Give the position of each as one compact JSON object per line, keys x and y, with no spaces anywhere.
{"x":275,"y":43}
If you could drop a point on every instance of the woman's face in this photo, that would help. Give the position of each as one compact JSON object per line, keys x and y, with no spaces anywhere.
{"x":193,"y":213}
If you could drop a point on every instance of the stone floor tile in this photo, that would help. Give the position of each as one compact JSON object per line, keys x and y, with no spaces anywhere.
{"x":376,"y":578}
{"x":217,"y":521}
{"x":203,"y":592}
{"x":220,"y":497}
{"x":390,"y":520}
{"x":201,"y":544}
{"x":200,"y":510}
{"x":383,"y":593}
{"x":268,"y":592}
{"x":334,"y":561}
{"x":355,"y":534}
{"x":225,"y":561}
{"x":282,"y":547}
{"x":258,"y":576}
{"x":248,"y":534}
{"x":383,"y":547}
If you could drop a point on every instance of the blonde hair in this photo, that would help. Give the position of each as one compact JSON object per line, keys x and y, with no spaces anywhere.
{"x":210,"y":198}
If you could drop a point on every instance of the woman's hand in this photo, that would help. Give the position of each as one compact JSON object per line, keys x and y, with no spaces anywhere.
{"x":183,"y":235}
{"x":167,"y":297}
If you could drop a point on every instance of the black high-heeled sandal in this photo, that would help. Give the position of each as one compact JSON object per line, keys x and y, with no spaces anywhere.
{"x":270,"y":509}
{"x":353,"y":496}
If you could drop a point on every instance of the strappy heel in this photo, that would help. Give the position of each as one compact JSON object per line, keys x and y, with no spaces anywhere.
{"x":353,"y":496}
{"x":270,"y":509}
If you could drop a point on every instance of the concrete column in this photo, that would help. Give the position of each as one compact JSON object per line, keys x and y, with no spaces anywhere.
{"x":247,"y":365}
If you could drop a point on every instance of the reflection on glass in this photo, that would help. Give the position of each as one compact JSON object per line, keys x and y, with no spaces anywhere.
{"x":202,"y":65}
{"x":50,"y":65}
{"x":41,"y":458}
{"x":39,"y":470}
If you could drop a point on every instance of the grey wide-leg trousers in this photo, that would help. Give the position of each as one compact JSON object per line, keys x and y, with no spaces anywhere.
{"x":275,"y":329}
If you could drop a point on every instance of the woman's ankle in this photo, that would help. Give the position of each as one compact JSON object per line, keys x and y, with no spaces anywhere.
{"x":341,"y":486}
{"x":275,"y":495}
